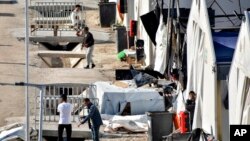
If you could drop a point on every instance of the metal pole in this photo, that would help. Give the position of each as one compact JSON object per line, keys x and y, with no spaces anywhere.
{"x":40,"y":135}
{"x":27,"y":113}
{"x":224,"y":12}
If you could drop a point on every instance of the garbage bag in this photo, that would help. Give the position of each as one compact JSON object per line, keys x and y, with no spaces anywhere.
{"x":141,"y":78}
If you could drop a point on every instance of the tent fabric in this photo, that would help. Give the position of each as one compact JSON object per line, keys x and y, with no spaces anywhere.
{"x":111,"y":98}
{"x":200,"y":67}
{"x":161,"y":53}
{"x":225,"y":6}
{"x":141,"y":78}
{"x":239,"y":82}
{"x":135,"y":123}
{"x":151,"y":20}
{"x":246,"y":110}
{"x":205,"y":51}
{"x":150,"y":23}
{"x":224,"y":45}
{"x":142,"y":7}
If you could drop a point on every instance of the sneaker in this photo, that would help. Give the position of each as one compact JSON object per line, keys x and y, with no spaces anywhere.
{"x":87,"y":67}
{"x":93,"y":65}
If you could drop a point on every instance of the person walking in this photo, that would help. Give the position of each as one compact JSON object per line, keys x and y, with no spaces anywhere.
{"x":94,"y":119}
{"x":88,"y":42}
{"x":65,"y":109}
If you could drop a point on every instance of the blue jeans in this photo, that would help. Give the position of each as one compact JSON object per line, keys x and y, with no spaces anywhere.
{"x":95,"y":133}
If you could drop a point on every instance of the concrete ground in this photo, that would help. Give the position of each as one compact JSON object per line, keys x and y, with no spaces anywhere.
{"x":12,"y":65}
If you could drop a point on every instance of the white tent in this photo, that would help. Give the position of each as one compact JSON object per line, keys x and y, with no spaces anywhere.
{"x":209,"y":56}
{"x":113,"y":99}
{"x":201,"y":66}
{"x":142,"y":7}
{"x":239,"y":78}
{"x":226,"y":8}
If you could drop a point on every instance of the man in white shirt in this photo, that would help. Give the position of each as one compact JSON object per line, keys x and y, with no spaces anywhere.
{"x":65,"y":109}
{"x":76,"y":17}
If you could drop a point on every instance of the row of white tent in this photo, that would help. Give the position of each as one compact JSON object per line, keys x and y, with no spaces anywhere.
{"x":138,"y":8}
{"x":209,"y":70}
{"x":210,"y":56}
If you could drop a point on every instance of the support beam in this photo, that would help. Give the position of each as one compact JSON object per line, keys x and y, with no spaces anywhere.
{"x":64,"y":54}
{"x":57,"y":39}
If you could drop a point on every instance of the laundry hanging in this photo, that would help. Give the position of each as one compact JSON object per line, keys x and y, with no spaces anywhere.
{"x":161,"y":47}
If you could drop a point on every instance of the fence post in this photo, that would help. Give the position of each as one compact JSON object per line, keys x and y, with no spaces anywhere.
{"x":40,"y":136}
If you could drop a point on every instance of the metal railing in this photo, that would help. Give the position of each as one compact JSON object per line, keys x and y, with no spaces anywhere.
{"x":51,"y":99}
{"x":51,"y":16}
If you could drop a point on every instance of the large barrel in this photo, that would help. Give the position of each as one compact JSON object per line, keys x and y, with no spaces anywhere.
{"x":159,"y":124}
{"x":107,"y":12}
{"x":121,"y":36}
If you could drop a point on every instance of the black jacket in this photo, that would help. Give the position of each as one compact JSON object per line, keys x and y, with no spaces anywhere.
{"x":190,"y":107}
{"x":89,"y":40}
{"x":94,"y":116}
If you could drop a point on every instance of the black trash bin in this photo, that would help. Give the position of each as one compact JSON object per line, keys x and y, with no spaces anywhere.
{"x":107,"y":12}
{"x":121,"y":38}
{"x":159,"y":124}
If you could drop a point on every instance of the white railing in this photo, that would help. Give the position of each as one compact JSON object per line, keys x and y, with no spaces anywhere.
{"x":51,"y":98}
{"x":50,"y":16}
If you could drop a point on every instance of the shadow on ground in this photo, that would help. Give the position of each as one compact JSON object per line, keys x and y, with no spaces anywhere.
{"x":8,"y":2}
{"x":7,"y":15}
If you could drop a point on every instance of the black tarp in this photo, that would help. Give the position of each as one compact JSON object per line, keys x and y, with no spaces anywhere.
{"x":150,"y":22}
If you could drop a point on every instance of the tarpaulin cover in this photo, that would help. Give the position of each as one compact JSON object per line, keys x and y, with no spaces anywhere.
{"x":151,"y":23}
{"x":141,"y":78}
{"x":224,"y":45}
{"x":135,"y":123}
{"x":112,"y":99}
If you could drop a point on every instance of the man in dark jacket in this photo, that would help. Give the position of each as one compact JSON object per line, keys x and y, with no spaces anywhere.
{"x":94,"y":119}
{"x":190,"y":105}
{"x":88,"y":42}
